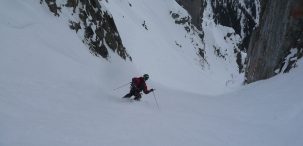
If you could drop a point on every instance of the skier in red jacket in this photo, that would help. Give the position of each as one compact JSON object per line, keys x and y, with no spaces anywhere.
{"x":137,"y":85}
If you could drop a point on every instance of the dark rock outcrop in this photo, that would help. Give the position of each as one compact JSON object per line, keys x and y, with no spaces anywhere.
{"x":233,"y":14}
{"x":241,"y":16}
{"x":236,"y":15}
{"x":277,"y":43}
{"x":195,"y":9}
{"x":96,"y":25}
{"x":53,"y":7}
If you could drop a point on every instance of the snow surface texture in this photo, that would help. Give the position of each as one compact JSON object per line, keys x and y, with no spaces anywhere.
{"x":54,"y":92}
{"x":166,"y":50}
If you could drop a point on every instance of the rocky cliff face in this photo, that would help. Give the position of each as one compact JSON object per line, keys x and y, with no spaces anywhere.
{"x":273,"y":43}
{"x":242,"y":16}
{"x":93,"y":24}
{"x":277,"y":43}
{"x":195,"y":9}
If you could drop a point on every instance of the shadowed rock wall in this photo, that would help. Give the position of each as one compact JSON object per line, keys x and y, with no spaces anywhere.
{"x":276,"y":44}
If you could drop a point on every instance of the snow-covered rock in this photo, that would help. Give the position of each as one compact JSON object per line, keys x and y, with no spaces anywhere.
{"x":93,"y":24}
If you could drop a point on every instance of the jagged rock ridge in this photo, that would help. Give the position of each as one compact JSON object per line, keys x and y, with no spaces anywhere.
{"x":94,"y":25}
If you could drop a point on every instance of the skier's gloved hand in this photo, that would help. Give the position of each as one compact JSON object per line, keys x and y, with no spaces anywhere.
{"x":151,"y":90}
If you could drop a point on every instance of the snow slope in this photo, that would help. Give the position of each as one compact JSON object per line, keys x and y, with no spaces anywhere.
{"x":167,"y":51}
{"x":54,"y":92}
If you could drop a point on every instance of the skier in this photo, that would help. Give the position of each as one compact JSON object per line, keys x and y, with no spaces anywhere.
{"x":137,"y":85}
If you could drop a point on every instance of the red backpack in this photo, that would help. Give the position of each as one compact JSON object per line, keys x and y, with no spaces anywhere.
{"x":139,"y":83}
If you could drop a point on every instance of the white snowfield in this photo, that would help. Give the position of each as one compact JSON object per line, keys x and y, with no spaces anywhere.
{"x":53,"y":92}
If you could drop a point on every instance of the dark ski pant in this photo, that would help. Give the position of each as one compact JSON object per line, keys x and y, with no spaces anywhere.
{"x":134,"y":92}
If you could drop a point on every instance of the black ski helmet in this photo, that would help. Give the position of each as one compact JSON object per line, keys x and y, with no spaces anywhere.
{"x":145,"y":76}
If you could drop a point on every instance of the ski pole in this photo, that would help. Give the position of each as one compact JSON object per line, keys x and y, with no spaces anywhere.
{"x":156,"y":100}
{"x":122,"y":86}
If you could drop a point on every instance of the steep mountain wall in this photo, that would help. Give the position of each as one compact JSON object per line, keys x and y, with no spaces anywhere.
{"x":241,"y":16}
{"x":93,"y":24}
{"x":277,"y":43}
{"x":270,"y":31}
{"x":195,"y":9}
